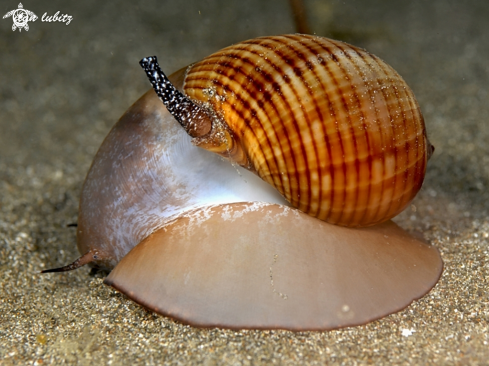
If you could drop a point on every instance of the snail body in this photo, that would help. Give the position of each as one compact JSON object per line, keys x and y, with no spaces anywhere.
{"x":306,"y":122}
{"x":146,"y":172}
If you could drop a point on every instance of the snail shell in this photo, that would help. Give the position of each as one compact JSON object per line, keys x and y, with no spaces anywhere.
{"x":334,"y":129}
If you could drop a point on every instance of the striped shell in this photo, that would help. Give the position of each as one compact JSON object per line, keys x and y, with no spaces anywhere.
{"x":335,"y":129}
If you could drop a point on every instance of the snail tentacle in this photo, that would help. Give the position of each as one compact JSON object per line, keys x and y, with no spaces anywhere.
{"x":191,"y":117}
{"x":89,"y":257}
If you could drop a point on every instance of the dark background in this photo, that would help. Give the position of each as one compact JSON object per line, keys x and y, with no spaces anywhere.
{"x":62,"y":87}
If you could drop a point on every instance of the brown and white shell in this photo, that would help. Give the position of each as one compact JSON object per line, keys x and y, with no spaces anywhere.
{"x":332,"y":127}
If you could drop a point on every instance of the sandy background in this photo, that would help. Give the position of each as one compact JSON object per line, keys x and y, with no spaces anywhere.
{"x":63,"y":86}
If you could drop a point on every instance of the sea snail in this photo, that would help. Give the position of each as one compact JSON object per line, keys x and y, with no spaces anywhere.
{"x":336,"y":137}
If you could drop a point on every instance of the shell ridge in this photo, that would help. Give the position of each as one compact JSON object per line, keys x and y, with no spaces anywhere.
{"x":318,"y":69}
{"x":421,"y":166}
{"x":307,"y":124}
{"x":396,"y":150}
{"x":323,"y":118}
{"x":353,"y":135}
{"x":407,"y":182}
{"x":344,"y":105}
{"x":280,"y":84}
{"x":301,"y":53}
{"x":390,"y":115}
{"x":322,"y":68}
{"x":378,"y":123}
{"x":289,"y":147}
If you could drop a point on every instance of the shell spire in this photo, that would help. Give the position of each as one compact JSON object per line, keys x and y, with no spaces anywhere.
{"x":193,"y":118}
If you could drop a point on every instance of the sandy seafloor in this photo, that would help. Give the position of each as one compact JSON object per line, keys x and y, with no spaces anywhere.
{"x":63,"y":86}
